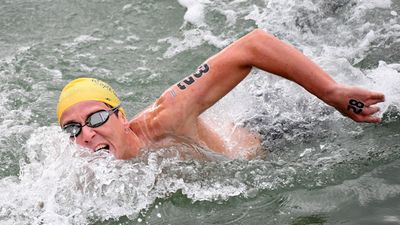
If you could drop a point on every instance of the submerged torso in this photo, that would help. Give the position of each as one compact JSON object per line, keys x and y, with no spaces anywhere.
{"x":240,"y":144}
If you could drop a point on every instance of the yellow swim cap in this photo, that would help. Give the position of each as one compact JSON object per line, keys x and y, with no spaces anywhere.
{"x":85,"y":89}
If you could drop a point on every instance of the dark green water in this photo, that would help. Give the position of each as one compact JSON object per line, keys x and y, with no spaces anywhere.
{"x":321,"y":168}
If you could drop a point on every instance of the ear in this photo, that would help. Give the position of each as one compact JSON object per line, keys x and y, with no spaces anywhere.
{"x":122,"y":117}
{"x":126,"y":125}
{"x":123,"y":121}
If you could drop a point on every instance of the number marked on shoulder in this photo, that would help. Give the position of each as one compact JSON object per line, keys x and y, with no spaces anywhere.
{"x":193,"y":77}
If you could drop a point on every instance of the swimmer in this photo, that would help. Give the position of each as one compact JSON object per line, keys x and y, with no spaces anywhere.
{"x":91,"y":113}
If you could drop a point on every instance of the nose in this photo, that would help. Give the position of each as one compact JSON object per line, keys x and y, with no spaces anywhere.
{"x":86,"y":135}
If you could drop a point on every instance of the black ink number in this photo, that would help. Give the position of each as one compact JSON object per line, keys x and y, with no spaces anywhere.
{"x":190,"y":80}
{"x":182,"y":87}
{"x":356,"y":106}
{"x":202,"y":69}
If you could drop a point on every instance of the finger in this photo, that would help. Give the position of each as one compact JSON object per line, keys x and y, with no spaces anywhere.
{"x":374,"y":98}
{"x":366,"y":117}
{"x":377,"y":95}
{"x":369,"y":102}
{"x":372,"y":119}
{"x":370,"y":110}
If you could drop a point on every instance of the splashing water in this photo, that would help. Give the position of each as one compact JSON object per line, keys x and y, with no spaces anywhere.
{"x":321,"y":168}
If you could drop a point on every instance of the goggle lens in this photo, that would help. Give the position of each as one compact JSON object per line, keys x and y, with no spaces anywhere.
{"x":73,"y":129}
{"x":94,"y":120}
{"x":97,"y":119}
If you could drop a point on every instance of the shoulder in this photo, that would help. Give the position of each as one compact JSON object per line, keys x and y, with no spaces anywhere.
{"x":166,"y":116}
{"x":172,"y":110}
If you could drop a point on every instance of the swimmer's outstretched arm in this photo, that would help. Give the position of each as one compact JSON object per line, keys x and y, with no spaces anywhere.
{"x":223,"y":71}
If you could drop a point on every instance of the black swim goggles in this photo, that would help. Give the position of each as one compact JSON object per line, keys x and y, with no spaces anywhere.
{"x":94,"y":120}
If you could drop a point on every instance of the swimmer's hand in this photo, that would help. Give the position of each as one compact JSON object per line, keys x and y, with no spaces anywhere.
{"x":355,"y":103}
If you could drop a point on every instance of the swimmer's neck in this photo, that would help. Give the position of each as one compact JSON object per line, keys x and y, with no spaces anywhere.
{"x":145,"y":134}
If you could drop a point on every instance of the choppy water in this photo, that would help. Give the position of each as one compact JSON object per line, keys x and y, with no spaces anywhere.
{"x":322,"y":168}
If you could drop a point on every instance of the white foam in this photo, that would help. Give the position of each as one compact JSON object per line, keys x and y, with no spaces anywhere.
{"x":58,"y":177}
{"x":57,"y":74}
{"x":87,"y":68}
{"x":118,"y":41}
{"x":392,"y":219}
{"x":192,"y":39}
{"x":370,"y":4}
{"x":85,"y":39}
{"x":203,"y":32}
{"x":82,"y":39}
{"x":126,"y":7}
{"x":62,"y":183}
{"x":367,"y":39}
{"x":23,"y":49}
{"x":385,"y":78}
{"x":231,"y":16}
{"x":132,"y":38}
{"x":195,"y":11}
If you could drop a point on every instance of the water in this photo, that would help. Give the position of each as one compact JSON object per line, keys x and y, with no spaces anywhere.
{"x":321,"y":167}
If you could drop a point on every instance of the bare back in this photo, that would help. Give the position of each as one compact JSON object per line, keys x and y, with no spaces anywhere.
{"x":240,"y":144}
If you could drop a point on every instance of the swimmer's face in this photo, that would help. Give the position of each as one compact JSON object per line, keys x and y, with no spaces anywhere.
{"x":111,"y":135}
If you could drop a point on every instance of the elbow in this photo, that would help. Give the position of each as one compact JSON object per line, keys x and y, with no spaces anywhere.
{"x":257,"y":43}
{"x":259,"y":34}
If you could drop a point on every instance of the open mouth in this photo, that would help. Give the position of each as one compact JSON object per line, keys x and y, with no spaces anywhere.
{"x":102,"y":148}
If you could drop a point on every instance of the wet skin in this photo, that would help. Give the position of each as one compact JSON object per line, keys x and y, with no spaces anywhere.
{"x":115,"y":133}
{"x":175,"y":116}
{"x":125,"y":139}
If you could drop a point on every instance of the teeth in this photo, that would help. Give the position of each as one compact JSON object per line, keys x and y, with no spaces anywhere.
{"x":100,"y":147}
